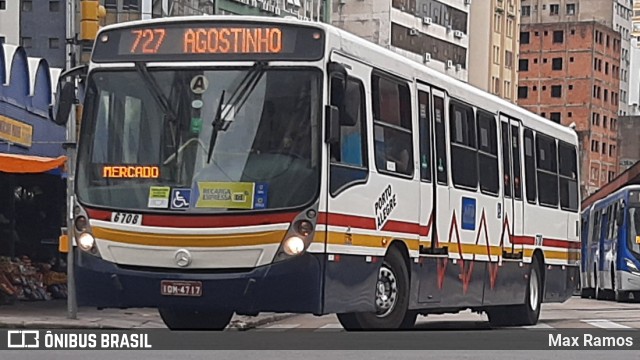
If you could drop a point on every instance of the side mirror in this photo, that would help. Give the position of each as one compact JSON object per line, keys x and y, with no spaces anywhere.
{"x":332,"y":116}
{"x":66,"y":95}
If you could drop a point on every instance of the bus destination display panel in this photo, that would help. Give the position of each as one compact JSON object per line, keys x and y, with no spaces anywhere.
{"x":202,"y":41}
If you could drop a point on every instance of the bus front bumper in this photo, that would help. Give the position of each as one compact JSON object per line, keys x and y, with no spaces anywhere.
{"x":293,"y":285}
{"x":629,"y":281}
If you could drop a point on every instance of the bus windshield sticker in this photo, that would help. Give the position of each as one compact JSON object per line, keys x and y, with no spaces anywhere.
{"x":199,"y":84}
{"x":384,"y":206}
{"x":180,"y":199}
{"x":196,"y":125}
{"x":130,"y":172}
{"x":159,"y":197}
{"x":468,"y":213}
{"x":391,"y":166}
{"x":261,"y":196}
{"x":228,"y":195}
{"x":197,"y":104}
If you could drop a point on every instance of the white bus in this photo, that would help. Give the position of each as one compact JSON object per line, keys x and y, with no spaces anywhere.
{"x":232,"y":164}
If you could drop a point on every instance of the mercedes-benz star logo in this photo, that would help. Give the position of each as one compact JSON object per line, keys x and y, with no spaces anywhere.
{"x":182,"y":258}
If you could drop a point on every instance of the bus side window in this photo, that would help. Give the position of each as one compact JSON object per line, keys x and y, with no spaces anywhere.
{"x":506,"y":159}
{"x":547,"y":170}
{"x":530,"y":167}
{"x":441,"y":145}
{"x":488,"y":153}
{"x":614,"y":224}
{"x":352,"y":130}
{"x":515,"y":147}
{"x":464,"y":160}
{"x":425,"y":136}
{"x":393,"y":139}
{"x":568,"y":177}
{"x":349,"y":163}
{"x":595,"y":234}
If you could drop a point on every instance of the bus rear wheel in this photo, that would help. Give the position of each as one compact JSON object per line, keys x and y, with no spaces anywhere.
{"x":527,"y":313}
{"x":187,"y":319}
{"x":392,"y":300}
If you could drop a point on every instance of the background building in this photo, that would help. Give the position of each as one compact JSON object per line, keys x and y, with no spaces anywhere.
{"x":628,"y":135}
{"x":36,"y":26}
{"x":569,"y":74}
{"x":432,"y":32}
{"x":10,"y":22}
{"x":494,"y":46}
{"x":615,"y":14}
{"x":303,"y":9}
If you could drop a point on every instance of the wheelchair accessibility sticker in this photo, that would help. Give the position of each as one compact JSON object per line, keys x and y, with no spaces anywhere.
{"x":180,"y":199}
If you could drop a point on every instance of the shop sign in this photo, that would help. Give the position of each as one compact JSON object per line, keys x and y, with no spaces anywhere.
{"x":15,"y":131}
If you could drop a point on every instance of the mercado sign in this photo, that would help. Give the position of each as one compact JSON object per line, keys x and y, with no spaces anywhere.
{"x":16,"y":132}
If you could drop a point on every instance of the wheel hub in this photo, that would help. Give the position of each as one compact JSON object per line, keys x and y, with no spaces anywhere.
{"x":386,"y":291}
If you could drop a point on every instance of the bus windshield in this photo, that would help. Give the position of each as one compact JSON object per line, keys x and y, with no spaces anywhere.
{"x":634,"y":230}
{"x":226,"y":139}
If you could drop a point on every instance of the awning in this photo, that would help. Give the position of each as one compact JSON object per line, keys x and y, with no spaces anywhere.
{"x":26,"y":164}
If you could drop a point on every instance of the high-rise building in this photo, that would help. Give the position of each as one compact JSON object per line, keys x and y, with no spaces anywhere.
{"x":38,"y":26}
{"x":434,"y":32}
{"x":615,"y":14}
{"x":634,"y":66}
{"x":570,"y":73}
{"x":494,"y":46}
{"x":302,"y":9}
{"x":10,"y":22}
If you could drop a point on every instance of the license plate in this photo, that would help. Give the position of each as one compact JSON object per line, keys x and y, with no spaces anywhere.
{"x":181,"y":288}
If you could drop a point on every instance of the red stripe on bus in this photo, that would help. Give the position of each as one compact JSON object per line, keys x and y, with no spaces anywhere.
{"x":530,"y":240}
{"x":202,"y":221}
{"x":361,"y":222}
{"x":334,"y":219}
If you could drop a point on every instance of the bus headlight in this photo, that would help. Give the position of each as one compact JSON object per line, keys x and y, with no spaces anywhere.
{"x":632,"y":267}
{"x":297,"y":240}
{"x":81,"y":224}
{"x":86,"y":241}
{"x":293,"y":245}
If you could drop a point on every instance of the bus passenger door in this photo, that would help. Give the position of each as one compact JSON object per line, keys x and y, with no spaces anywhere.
{"x":513,"y":213}
{"x":348,"y":202}
{"x":427,"y":273}
{"x":517,"y":226}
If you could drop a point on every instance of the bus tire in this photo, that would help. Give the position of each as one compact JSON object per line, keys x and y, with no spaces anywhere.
{"x":599,"y":293}
{"x":392,"y":300}
{"x":186,"y":319}
{"x":618,"y":295}
{"x":527,"y":313}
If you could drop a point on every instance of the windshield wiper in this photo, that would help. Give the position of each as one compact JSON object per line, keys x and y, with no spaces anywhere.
{"x":163,"y":102}
{"x":237,"y":99}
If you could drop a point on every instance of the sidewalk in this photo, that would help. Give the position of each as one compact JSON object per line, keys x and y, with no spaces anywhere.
{"x":53,"y":315}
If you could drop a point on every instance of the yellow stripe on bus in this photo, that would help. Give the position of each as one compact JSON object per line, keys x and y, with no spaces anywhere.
{"x":223,"y":240}
{"x":275,"y":237}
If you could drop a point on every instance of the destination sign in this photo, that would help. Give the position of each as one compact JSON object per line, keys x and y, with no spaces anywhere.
{"x":204,"y":41}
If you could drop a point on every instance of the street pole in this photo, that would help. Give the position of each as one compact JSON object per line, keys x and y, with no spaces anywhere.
{"x":72,"y":306}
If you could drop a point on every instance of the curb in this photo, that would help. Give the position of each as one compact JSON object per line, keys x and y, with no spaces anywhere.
{"x":236,"y":324}
{"x":241,"y":325}
{"x":54,"y":325}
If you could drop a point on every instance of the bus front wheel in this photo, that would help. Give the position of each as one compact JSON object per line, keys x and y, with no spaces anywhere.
{"x":392,"y":300}
{"x":186,"y":319}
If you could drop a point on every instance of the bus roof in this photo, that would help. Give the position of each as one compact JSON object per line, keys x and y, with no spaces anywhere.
{"x":606,"y":200}
{"x":391,"y":61}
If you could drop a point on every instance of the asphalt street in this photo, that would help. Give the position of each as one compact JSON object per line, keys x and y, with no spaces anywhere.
{"x":576,"y":313}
